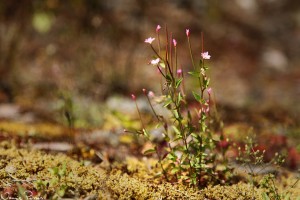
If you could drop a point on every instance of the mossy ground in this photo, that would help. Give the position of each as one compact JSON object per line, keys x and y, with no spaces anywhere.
{"x":130,"y":178}
{"x":24,"y":165}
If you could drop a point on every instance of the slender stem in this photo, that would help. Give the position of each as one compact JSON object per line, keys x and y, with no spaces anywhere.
{"x":152,"y":107}
{"x":183,"y":83}
{"x":160,"y":163}
{"x":157,"y":54}
{"x":171,"y":55}
{"x":143,"y":126}
{"x":193,"y":63}
{"x":167,"y":47}
{"x":202,"y":41}
{"x":158,"y":40}
{"x":176,"y":67}
{"x":161,"y":72}
{"x":191,"y":53}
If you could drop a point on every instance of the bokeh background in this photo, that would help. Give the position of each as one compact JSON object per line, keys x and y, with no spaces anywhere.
{"x":95,"y":49}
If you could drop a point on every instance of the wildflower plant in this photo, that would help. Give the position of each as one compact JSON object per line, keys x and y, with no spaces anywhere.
{"x":189,"y":154}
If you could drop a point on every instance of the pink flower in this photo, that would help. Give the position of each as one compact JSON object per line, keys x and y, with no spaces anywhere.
{"x":151,"y":94}
{"x":158,"y":28}
{"x":209,"y":91}
{"x":179,"y":72}
{"x":155,"y":62}
{"x":149,"y":40}
{"x":187,"y":32}
{"x":174,"y":42}
{"x":133,"y":97}
{"x":205,"y":55}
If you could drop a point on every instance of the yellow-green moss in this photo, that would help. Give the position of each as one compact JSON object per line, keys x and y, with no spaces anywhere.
{"x":34,"y":165}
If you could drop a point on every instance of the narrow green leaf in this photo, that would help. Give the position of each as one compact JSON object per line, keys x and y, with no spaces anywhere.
{"x":184,"y":157}
{"x":176,"y":114}
{"x":178,"y":82}
{"x":179,"y":98}
{"x":197,"y":96}
{"x":176,"y":130}
{"x":206,"y":82}
{"x":167,"y":102}
{"x":179,"y":137}
{"x":196,"y":137}
{"x":146,"y":134}
{"x":169,"y":78}
{"x":149,"y":151}
{"x":195,"y":74}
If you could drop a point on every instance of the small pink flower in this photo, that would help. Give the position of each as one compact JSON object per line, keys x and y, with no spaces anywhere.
{"x":149,"y":40}
{"x":205,"y":55}
{"x":209,"y":91}
{"x":144,"y":91}
{"x":187,"y":32}
{"x":179,"y":72}
{"x":155,"y":62}
{"x":174,"y":42}
{"x":158,"y":28}
{"x":133,"y":97}
{"x":151,"y":94}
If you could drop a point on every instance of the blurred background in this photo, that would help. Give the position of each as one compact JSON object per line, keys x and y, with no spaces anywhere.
{"x":95,"y":49}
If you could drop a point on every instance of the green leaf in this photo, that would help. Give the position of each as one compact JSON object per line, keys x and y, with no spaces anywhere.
{"x":62,"y":170}
{"x":146,"y":134}
{"x":149,"y":151}
{"x":176,"y":130}
{"x":167,"y":102}
{"x":179,"y":137}
{"x":168,"y":78}
{"x":197,"y":96}
{"x":157,"y":175}
{"x":62,"y":190}
{"x":175,"y":170}
{"x":179,"y":98}
{"x":206,"y":82}
{"x":184,"y":157}
{"x":265,"y":196}
{"x":175,"y":112}
{"x":53,"y":171}
{"x":178,"y":82}
{"x":162,"y":65}
{"x":172,"y":156}
{"x":195,"y":74}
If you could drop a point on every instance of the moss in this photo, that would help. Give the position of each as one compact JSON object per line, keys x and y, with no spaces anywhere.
{"x":124,"y":187}
{"x":238,"y":191}
{"x":32,"y":165}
